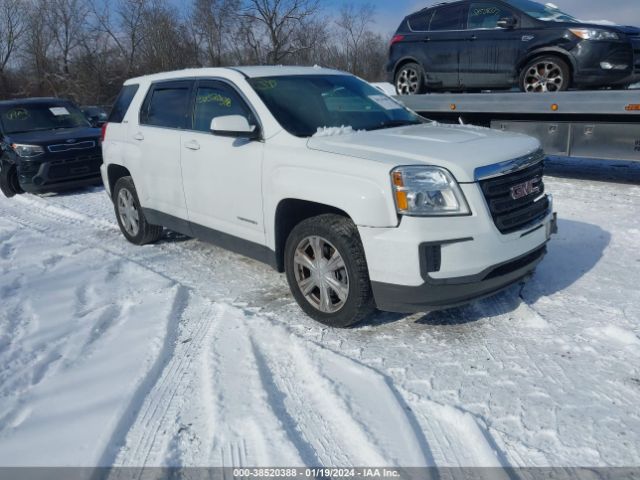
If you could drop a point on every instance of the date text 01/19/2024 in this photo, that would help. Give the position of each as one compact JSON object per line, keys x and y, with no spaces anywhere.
{"x":315,"y":473}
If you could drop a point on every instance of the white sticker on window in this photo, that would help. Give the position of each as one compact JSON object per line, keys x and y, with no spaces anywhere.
{"x":59,"y":111}
{"x":385,"y":102}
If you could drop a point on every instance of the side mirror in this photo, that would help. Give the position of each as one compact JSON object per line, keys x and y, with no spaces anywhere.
{"x":235,"y":126}
{"x":507,"y":23}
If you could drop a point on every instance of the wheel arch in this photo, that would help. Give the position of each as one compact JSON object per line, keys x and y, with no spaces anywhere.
{"x":402,"y":62}
{"x":548,"y":51}
{"x":114,"y":173}
{"x":289,"y":213}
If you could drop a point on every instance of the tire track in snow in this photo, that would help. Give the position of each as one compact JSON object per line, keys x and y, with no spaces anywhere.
{"x":369,"y":443}
{"x":144,"y":441}
{"x":140,"y":404}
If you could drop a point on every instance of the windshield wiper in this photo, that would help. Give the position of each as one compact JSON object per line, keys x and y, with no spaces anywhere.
{"x":396,"y":123}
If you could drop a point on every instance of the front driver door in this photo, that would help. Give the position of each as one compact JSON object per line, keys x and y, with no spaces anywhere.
{"x":222,"y":176}
{"x":489,"y":56}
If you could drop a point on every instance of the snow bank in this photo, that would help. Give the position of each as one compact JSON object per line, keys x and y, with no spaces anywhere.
{"x":82,"y":336}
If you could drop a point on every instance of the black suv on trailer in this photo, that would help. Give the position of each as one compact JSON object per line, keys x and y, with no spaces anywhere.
{"x":46,"y":145}
{"x":501,"y":44}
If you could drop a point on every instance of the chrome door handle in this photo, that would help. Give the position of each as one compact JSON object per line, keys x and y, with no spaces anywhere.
{"x":192,"y":145}
{"x":139,"y":137}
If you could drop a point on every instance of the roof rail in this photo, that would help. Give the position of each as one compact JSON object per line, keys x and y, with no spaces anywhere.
{"x":439,"y":4}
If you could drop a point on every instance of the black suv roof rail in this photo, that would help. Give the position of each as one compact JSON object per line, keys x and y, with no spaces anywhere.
{"x":439,"y":4}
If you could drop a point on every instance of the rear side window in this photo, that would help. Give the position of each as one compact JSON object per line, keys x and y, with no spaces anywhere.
{"x":448,"y":18}
{"x":167,"y":105}
{"x":420,"y":21}
{"x":123,"y":102}
{"x":486,"y":15}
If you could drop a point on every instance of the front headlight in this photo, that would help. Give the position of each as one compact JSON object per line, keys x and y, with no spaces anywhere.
{"x":594,"y":34}
{"x":427,"y":191}
{"x":27,"y":151}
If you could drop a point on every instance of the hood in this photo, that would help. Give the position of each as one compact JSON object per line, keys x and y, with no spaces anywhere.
{"x":625,"y":29}
{"x":459,"y":149}
{"x":52,"y":137}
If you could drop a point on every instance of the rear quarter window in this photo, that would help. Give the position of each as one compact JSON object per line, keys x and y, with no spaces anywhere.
{"x":420,"y":21}
{"x":122,"y":104}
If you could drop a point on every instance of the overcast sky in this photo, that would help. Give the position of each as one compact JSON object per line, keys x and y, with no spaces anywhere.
{"x":626,"y":12}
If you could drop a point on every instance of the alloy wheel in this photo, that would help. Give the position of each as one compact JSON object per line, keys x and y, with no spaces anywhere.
{"x":129,"y":215}
{"x":321,"y":274}
{"x":408,"y":81}
{"x":544,"y":76}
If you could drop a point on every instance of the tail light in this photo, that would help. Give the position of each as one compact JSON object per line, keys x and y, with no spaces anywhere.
{"x":103,"y":132}
{"x":397,"y":39}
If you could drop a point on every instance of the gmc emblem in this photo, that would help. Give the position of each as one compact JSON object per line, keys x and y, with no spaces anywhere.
{"x":525,"y":189}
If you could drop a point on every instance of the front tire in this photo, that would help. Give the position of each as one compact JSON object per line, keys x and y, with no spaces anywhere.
{"x":9,"y":184}
{"x":410,"y":80}
{"x":545,"y":74}
{"x":327,"y":271}
{"x":131,"y":219}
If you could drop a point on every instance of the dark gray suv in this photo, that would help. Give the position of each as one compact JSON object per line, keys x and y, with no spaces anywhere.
{"x":501,"y":44}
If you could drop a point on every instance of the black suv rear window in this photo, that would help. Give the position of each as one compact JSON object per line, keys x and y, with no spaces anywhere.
{"x":449,"y":18}
{"x":122,"y":104}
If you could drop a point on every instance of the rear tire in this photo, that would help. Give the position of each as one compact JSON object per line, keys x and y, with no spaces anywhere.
{"x":410,"y":79}
{"x":545,"y":74}
{"x":131,"y":219}
{"x":9,"y":184}
{"x":325,"y":257}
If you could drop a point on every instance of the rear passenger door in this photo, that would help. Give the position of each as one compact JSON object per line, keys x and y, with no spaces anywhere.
{"x":222,"y":175}
{"x":443,"y":44}
{"x":163,"y":117}
{"x":489,"y":56}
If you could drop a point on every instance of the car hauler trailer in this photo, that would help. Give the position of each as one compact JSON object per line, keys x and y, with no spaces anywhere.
{"x":596,"y":124}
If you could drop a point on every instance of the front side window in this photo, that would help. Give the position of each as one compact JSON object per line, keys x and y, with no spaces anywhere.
{"x":546,"y":13}
{"x":167,"y":106}
{"x":485,"y":15}
{"x":448,"y":18}
{"x":217,"y":99}
{"x":33,"y":117}
{"x":306,"y":104}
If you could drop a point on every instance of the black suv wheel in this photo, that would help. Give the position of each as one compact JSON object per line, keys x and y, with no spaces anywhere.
{"x":410,"y":80}
{"x":9,"y":184}
{"x":545,"y":74}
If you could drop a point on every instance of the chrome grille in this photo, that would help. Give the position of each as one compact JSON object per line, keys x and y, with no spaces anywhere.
{"x":517,"y":200}
{"x":65,"y":147}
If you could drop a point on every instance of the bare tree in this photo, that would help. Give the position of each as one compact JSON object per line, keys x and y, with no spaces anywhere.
{"x":12,"y":28}
{"x":66,"y":21}
{"x":126,"y":31}
{"x":280,"y":20}
{"x":38,"y":41}
{"x":353,"y":28}
{"x":214,"y":24}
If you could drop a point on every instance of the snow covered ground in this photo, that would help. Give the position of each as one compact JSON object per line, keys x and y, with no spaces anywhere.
{"x":184,"y":354}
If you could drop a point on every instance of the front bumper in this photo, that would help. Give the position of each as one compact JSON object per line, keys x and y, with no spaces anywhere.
{"x":435,"y":263}
{"x":589,"y":56}
{"x":57,"y":175}
{"x":434,"y":295}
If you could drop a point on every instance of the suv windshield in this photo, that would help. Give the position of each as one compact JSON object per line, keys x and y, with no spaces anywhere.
{"x":547,"y":13}
{"x":305,"y":104}
{"x":31,"y":117}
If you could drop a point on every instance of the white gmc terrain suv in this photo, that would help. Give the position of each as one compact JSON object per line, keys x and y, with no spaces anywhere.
{"x":363,"y":203}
